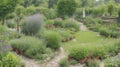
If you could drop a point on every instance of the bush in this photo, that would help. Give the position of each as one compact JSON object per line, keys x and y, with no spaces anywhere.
{"x":112,"y":62}
{"x":3,"y":29}
{"x":53,"y":39}
{"x":32,"y":24}
{"x":64,"y":63}
{"x":72,"y":25}
{"x":58,"y":23}
{"x":49,"y":23}
{"x":11,"y":24}
{"x":93,"y":63}
{"x":11,"y":60}
{"x":78,"y":14}
{"x":99,"y":51}
{"x":78,"y":53}
{"x":108,"y":33}
{"x":13,"y":34}
{"x":29,"y":46}
{"x":68,"y":8}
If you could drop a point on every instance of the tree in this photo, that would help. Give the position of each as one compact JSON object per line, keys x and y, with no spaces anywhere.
{"x":27,"y":3}
{"x":52,"y":3}
{"x":6,"y":7}
{"x":110,"y":8}
{"x":20,"y":12}
{"x":66,"y":8}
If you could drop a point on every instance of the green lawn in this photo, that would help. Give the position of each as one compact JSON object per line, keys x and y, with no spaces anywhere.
{"x":87,"y":38}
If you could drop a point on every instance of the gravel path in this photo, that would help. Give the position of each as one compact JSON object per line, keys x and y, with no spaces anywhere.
{"x":30,"y":62}
{"x":83,"y":27}
{"x":54,"y":62}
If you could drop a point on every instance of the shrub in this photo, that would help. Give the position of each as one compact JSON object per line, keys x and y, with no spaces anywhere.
{"x":99,"y":51}
{"x":49,"y":23}
{"x":108,"y":33}
{"x":68,"y":8}
{"x":29,"y":46}
{"x":92,"y":63}
{"x":78,"y":53}
{"x":11,"y":60}
{"x":64,"y":63}
{"x":2,"y":29}
{"x":78,"y":14}
{"x":14,"y":34}
{"x":32,"y":24}
{"x":11,"y":24}
{"x":72,"y":24}
{"x":110,"y":8}
{"x":53,"y":39}
{"x":58,"y":23}
{"x":112,"y":62}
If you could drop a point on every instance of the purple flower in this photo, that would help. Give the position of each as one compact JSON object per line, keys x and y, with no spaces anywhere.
{"x":5,"y":48}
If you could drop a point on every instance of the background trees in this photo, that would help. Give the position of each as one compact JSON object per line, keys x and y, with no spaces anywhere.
{"x":6,"y":7}
{"x":66,"y":8}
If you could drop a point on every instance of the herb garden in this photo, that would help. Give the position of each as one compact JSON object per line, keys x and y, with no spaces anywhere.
{"x":59,"y":33}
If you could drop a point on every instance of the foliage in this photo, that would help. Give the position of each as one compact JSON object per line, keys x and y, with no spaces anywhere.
{"x":11,"y":23}
{"x":66,"y":8}
{"x":32,"y":24}
{"x":78,"y":53}
{"x":58,"y":23}
{"x":73,"y":25}
{"x":7,"y":6}
{"x":31,"y":10}
{"x":51,"y":3}
{"x":53,"y":39}
{"x":29,"y":46}
{"x":64,"y":62}
{"x":20,"y":11}
{"x":48,"y":13}
{"x":11,"y":60}
{"x":92,"y":63}
{"x":112,"y":62}
{"x":99,"y":51}
{"x":110,"y":8}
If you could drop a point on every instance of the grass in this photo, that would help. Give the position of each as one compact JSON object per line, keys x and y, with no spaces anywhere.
{"x":87,"y":38}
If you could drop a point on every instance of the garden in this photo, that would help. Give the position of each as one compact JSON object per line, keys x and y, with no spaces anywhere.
{"x":60,"y":33}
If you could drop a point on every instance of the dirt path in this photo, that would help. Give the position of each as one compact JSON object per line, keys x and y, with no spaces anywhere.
{"x":83,"y":27}
{"x":30,"y":62}
{"x":101,"y":64}
{"x":54,"y":62}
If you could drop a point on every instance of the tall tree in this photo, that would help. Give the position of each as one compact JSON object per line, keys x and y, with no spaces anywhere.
{"x":52,"y":3}
{"x":66,"y":8}
{"x":6,"y":7}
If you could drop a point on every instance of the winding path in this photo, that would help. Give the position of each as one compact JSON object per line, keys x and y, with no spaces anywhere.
{"x":52,"y":63}
{"x":55,"y":62}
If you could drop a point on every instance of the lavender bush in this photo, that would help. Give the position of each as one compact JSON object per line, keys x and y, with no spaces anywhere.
{"x":32,"y":24}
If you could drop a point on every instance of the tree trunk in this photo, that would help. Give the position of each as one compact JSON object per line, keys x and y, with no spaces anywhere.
{"x":18,"y":24}
{"x":3,"y":21}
